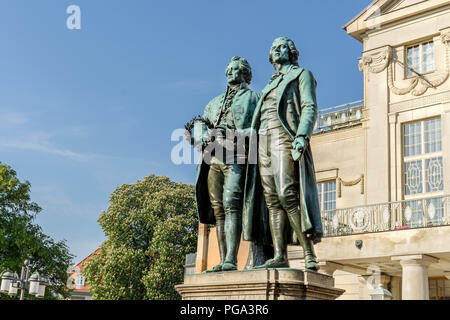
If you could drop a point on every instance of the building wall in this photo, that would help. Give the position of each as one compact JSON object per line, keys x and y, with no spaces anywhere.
{"x":340,"y":154}
{"x":80,"y":291}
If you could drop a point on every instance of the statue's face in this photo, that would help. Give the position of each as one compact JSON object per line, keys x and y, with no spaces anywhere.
{"x":234,"y":73}
{"x":280,"y":51}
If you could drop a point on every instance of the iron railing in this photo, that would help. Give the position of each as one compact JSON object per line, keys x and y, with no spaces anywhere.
{"x":339,"y":116}
{"x":406,"y":214}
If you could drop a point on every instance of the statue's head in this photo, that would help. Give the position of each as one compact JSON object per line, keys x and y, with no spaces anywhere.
{"x":238,"y":71}
{"x":283,"y":50}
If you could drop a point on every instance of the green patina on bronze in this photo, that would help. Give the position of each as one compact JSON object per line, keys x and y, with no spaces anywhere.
{"x":290,"y":193}
{"x":219,"y":185}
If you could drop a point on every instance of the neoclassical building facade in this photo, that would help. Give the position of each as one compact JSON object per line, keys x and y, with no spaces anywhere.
{"x":383,"y":163}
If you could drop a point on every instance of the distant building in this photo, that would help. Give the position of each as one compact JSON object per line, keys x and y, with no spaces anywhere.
{"x":77,"y":281}
{"x":383,"y":163}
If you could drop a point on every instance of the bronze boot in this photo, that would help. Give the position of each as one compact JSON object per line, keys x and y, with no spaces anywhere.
{"x":233,"y":229}
{"x":307,"y":245}
{"x":277,"y":227}
{"x":220,"y":232}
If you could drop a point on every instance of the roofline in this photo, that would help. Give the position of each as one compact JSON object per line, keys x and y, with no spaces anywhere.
{"x":93,"y":253}
{"x":359,"y":14}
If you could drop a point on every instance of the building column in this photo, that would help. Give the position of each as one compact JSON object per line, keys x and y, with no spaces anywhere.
{"x":415,"y":276}
{"x":202,"y":248}
{"x":394,"y":172}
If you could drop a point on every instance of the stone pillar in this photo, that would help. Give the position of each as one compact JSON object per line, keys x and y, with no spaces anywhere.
{"x":376,"y":98}
{"x":415,"y":276}
{"x":202,"y":248}
{"x":394,"y":145}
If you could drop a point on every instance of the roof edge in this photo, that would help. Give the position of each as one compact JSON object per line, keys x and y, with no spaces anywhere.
{"x":359,"y":14}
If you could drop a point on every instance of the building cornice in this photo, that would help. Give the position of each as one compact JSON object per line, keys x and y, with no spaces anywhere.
{"x":373,"y":17}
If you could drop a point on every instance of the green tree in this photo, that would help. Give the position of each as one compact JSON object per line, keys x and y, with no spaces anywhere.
{"x":21,"y":238}
{"x":150,"y":227}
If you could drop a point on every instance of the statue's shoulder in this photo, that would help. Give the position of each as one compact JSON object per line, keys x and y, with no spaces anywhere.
{"x":307,"y":78}
{"x":249,"y":95}
{"x":254,"y":95}
{"x":306,"y":74}
{"x":213,"y":106}
{"x":216,"y":100}
{"x":297,"y":72}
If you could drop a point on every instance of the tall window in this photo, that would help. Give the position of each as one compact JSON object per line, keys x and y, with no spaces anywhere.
{"x":327,"y":198}
{"x":421,"y":58}
{"x":423,"y":157}
{"x":423,"y":171}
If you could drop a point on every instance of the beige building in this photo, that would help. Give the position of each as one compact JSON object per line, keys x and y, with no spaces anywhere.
{"x":382,"y":164}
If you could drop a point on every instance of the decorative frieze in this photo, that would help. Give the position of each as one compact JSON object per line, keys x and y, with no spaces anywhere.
{"x":420,"y":102}
{"x":349,"y":184}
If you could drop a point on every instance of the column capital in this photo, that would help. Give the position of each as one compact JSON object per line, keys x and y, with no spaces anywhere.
{"x":393,"y":118}
{"x":422,"y":259}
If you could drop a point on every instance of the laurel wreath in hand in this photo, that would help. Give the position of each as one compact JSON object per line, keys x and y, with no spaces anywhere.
{"x":190,"y":126}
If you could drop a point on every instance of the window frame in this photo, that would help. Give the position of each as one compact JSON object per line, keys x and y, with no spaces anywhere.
{"x":80,"y":280}
{"x":435,"y":293}
{"x":321,"y":197}
{"x":421,"y":62}
{"x":422,"y":157}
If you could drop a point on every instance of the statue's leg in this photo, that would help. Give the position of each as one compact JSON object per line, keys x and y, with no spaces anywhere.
{"x":232,"y":202}
{"x":215,"y":189}
{"x":311,"y":262}
{"x":277,"y":216}
{"x":278,"y":225}
{"x":289,"y":195}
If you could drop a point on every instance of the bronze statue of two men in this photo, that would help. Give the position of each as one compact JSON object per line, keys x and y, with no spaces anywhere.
{"x":265,"y":186}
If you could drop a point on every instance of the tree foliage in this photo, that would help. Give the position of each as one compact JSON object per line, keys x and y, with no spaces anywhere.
{"x":150,"y":227}
{"x":21,"y":238}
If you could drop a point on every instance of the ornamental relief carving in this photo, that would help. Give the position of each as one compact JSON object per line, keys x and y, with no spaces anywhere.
{"x":375,"y":63}
{"x":352,"y":183}
{"x":418,"y":85}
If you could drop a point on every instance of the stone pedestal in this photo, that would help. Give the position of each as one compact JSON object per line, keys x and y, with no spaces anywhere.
{"x":269,"y":284}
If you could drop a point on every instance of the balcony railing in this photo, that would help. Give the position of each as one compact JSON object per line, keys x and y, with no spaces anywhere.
{"x":339,"y":116}
{"x":400,"y":215}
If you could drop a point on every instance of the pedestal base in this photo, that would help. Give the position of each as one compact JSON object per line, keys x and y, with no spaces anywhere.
{"x":268,"y":284}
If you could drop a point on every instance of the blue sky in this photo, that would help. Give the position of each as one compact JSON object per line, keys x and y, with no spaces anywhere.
{"x":84,"y":111}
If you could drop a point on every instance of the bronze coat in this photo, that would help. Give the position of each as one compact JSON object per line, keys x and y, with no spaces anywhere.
{"x":242,"y":107}
{"x":297,"y":111}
